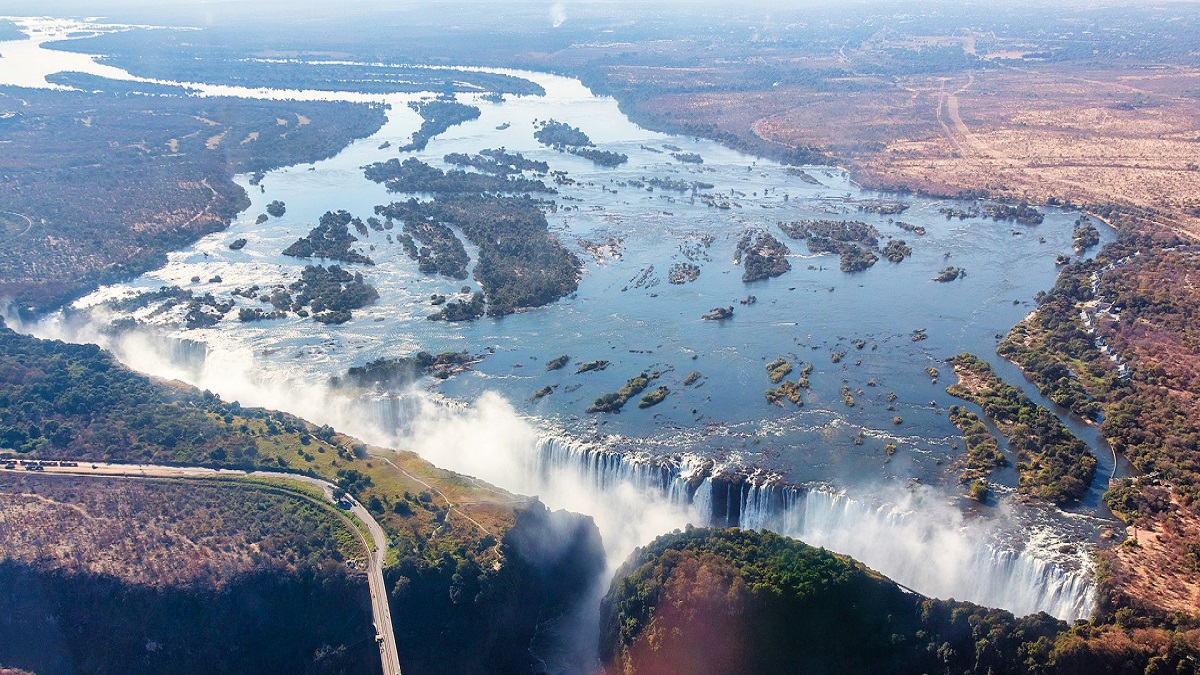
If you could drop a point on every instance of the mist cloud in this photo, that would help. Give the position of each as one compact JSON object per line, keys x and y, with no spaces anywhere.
{"x":558,"y":14}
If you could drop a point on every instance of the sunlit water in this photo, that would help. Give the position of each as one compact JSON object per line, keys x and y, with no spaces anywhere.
{"x":805,"y":316}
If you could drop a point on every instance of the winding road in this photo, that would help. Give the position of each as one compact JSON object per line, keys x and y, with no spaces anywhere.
{"x":376,"y":549}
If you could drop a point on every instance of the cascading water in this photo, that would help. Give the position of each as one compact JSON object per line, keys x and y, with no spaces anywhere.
{"x":922,"y":545}
{"x":912,"y":538}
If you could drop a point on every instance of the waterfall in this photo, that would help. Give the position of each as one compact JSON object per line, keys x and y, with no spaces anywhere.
{"x":921,"y":543}
{"x":916,"y":540}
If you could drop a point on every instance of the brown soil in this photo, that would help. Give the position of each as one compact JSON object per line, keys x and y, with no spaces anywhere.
{"x":1157,"y":573}
{"x":1094,"y":137}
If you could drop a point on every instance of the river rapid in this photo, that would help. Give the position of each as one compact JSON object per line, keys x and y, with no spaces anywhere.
{"x":852,"y":478}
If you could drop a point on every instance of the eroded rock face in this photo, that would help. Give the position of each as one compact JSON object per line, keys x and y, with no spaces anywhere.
{"x":541,"y":599}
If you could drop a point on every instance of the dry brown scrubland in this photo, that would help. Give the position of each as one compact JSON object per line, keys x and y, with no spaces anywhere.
{"x":1129,"y":137}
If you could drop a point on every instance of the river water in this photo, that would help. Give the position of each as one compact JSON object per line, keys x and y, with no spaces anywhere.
{"x":891,"y":322}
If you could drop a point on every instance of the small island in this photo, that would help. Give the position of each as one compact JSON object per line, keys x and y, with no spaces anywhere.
{"x":331,"y":239}
{"x":896,"y":250}
{"x":1086,"y":235}
{"x":591,"y":365}
{"x":654,"y":398}
{"x":950,"y":274}
{"x":778,"y":369}
{"x":402,"y":371}
{"x":1053,"y":463}
{"x":719,"y":314}
{"x":854,"y":241}
{"x":761,"y":255}
{"x":615,"y":401}
{"x":983,"y":451}
{"x":439,"y":115}
{"x":788,"y":390}
{"x":565,"y":138}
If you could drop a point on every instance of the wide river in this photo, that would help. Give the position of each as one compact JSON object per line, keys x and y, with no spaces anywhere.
{"x":872,"y":334}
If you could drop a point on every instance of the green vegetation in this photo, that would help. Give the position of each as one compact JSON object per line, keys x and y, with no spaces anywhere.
{"x":557,"y":362}
{"x":896,"y":250}
{"x":805,"y":371}
{"x":438,"y":115}
{"x":602,"y":157}
{"x":455,"y":589}
{"x":682,"y":273}
{"x":557,"y":134}
{"x":442,"y":252}
{"x":400,"y":372}
{"x":761,"y":255}
{"x":219,"y":61}
{"x":654,"y":398}
{"x":855,"y":259}
{"x":932,"y":373}
{"x":718,"y":314}
{"x":301,"y":532}
{"x":825,"y":236}
{"x":885,"y":207}
{"x":950,"y":274}
{"x":521,"y":264}
{"x":1086,"y":235}
{"x":461,"y":310}
{"x":909,"y":227}
{"x":719,"y":602}
{"x":615,"y":401}
{"x":497,"y":162}
{"x":778,"y":369}
{"x":513,"y":162}
{"x":983,"y":451}
{"x":248,"y":314}
{"x":1055,"y":351}
{"x":979,"y":490}
{"x":200,"y":310}
{"x":591,"y":365}
{"x":688,"y":157}
{"x":673,"y":184}
{"x":1155,"y":421}
{"x":1148,"y":415}
{"x":566,"y":138}
{"x":1052,"y":463}
{"x":414,"y":176}
{"x":854,"y":241}
{"x":330,"y":239}
{"x":1021,"y":213}
{"x":331,"y":292}
{"x":105,"y":185}
{"x":787,"y":390}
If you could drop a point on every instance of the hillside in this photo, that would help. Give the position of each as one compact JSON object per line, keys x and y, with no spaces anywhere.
{"x":121,"y":575}
{"x":731,"y":601}
{"x":471,"y":570}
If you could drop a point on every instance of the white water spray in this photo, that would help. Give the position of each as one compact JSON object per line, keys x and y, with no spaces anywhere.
{"x":913,"y":537}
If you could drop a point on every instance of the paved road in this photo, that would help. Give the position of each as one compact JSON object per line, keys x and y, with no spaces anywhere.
{"x":376,"y":549}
